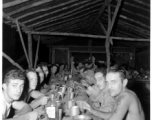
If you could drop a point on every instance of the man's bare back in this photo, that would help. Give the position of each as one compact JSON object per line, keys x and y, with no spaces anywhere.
{"x":131,"y":104}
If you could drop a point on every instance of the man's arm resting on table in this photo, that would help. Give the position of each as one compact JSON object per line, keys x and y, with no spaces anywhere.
{"x":21,"y":107}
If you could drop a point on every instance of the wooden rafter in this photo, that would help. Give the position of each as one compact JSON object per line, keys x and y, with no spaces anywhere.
{"x":39,"y":10}
{"x":65,"y":20}
{"x":130,"y":26}
{"x":84,"y":35}
{"x":13,"y":3}
{"x":71,"y":24}
{"x":69,"y":29}
{"x":14,"y":21}
{"x":103,"y":28}
{"x":110,"y":26}
{"x":12,"y":61}
{"x":72,"y":11}
{"x":22,"y":41}
{"x":100,"y":13}
{"x":132,"y":20}
{"x":113,"y":18}
{"x":61,"y":17}
{"x":35,"y":4}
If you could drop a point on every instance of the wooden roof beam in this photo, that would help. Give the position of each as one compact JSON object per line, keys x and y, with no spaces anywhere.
{"x":65,"y":20}
{"x":29,"y":6}
{"x":102,"y":27}
{"x":13,"y":3}
{"x":14,"y":21}
{"x":135,"y":28}
{"x":84,"y":35}
{"x":84,"y":4}
{"x":39,"y":10}
{"x":100,"y":13}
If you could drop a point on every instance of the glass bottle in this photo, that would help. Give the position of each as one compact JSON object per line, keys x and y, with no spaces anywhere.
{"x":51,"y":110}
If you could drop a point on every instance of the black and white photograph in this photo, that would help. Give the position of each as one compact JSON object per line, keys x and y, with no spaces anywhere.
{"x":76,"y":59}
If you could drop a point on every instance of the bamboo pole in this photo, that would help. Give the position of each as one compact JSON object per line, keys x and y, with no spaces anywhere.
{"x":103,"y":28}
{"x":13,"y":3}
{"x":114,"y":18}
{"x":30,"y":49}
{"x":23,"y":43}
{"x":107,"y":45}
{"x":110,"y":26}
{"x":90,"y":48}
{"x":12,"y":61}
{"x":37,"y":50}
{"x":100,"y":13}
{"x":6,"y":16}
{"x":85,"y":35}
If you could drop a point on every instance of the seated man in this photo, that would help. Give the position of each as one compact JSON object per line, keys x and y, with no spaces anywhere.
{"x":12,"y":89}
{"x":39,"y":98}
{"x":128,"y":104}
{"x":100,"y":99}
{"x":89,"y":76}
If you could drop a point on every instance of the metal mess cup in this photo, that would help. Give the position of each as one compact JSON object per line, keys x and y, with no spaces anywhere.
{"x":65,"y":78}
{"x":63,"y":89}
{"x":75,"y":111}
{"x":70,"y":104}
{"x":71,"y":95}
{"x":70,"y":76}
{"x":70,"y":89}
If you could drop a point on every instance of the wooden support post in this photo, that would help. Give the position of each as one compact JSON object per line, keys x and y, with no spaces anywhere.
{"x":90,"y":48}
{"x":37,"y":50}
{"x":13,"y":63}
{"x":22,"y":41}
{"x":50,"y":54}
{"x":110,"y":26}
{"x":30,"y":49}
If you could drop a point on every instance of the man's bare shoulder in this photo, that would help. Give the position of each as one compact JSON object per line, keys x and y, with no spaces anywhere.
{"x":127,"y":95}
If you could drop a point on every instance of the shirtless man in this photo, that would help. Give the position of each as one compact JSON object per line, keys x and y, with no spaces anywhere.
{"x":128,"y":104}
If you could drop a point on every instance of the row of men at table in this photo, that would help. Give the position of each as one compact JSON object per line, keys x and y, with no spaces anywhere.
{"x":105,"y":95}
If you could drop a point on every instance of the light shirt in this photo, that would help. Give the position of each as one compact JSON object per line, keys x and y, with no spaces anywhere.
{"x":102,"y":101}
{"x":5,"y":107}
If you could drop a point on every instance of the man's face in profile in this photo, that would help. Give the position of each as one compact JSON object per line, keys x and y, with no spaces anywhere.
{"x":14,"y":88}
{"x":115,"y":83}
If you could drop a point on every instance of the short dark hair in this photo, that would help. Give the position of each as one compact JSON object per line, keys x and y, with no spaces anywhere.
{"x":101,"y":70}
{"x":119,"y":70}
{"x":30,"y":70}
{"x":14,"y":74}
